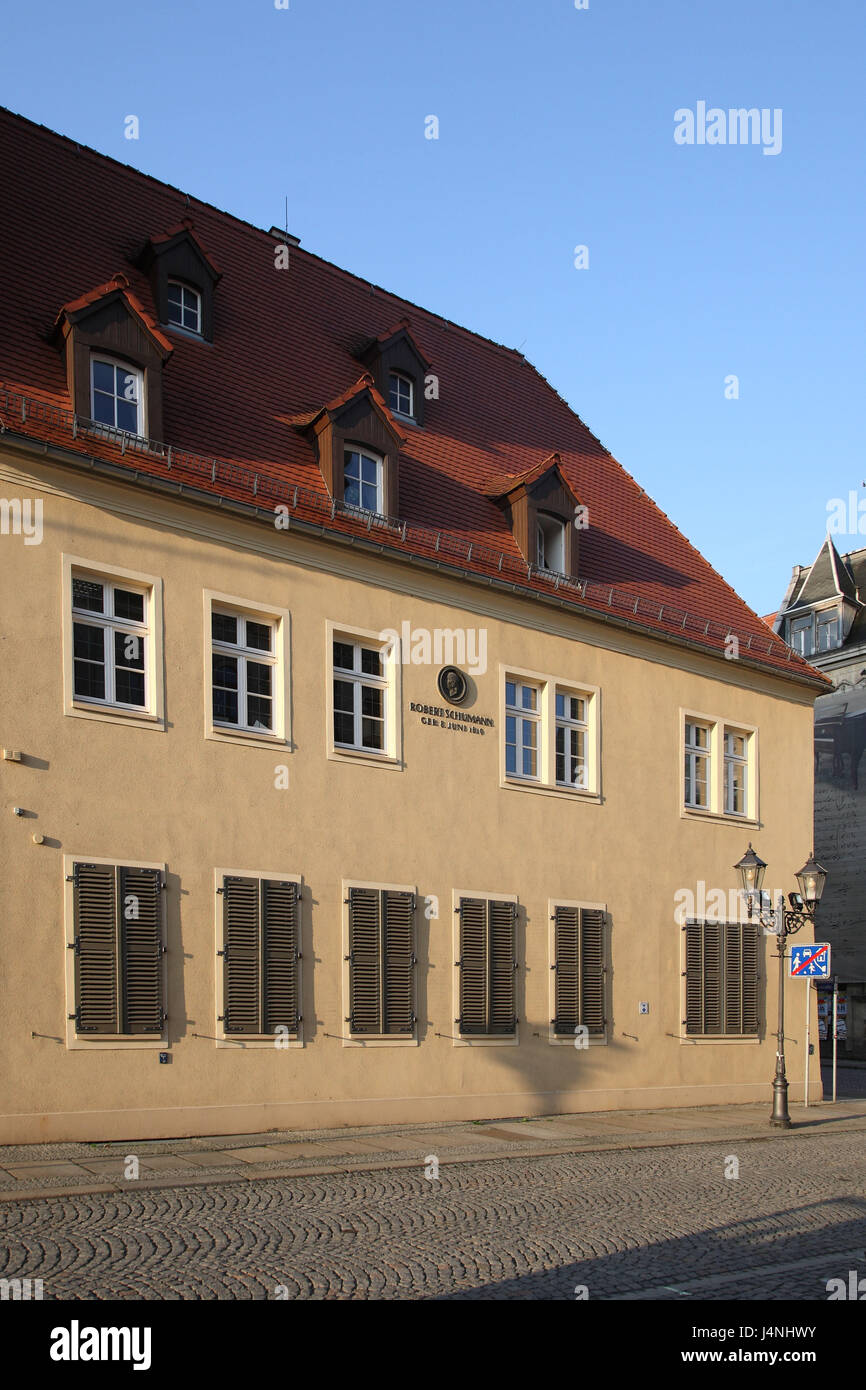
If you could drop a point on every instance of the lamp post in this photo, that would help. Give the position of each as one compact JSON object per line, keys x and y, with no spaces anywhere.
{"x":783,"y":921}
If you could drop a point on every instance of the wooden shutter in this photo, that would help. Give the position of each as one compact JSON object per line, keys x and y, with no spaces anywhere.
{"x":118,"y":950}
{"x":592,"y":970}
{"x":398,"y":921}
{"x":721,"y":978}
{"x":241,"y":956}
{"x":579,"y":969}
{"x":473,"y":966}
{"x":97,"y":991}
{"x":503,"y":967}
{"x":280,"y":956}
{"x":141,"y":950}
{"x":487,"y":967}
{"x":365,"y":949}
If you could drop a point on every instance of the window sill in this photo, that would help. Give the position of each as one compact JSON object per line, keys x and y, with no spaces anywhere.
{"x":486,"y":1040}
{"x":752,"y":1039}
{"x":246,"y":737}
{"x":560,"y":1040}
{"x":720,"y":817}
{"x":544,"y":789}
{"x":365,"y":758}
{"x":380,"y":1040}
{"x":119,"y":1042}
{"x":254,"y":1042}
{"x":113,"y":714}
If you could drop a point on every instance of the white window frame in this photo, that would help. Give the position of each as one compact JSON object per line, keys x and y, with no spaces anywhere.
{"x":523,"y":715}
{"x":823,"y":619}
{"x":373,"y":1039}
{"x":131,"y":371}
{"x":717,"y":726}
{"x":803,"y":625}
{"x":407,"y":381}
{"x":581,"y":726}
{"x":237,"y":1042}
{"x":493,"y":1039}
{"x":152,"y":714}
{"x":549,"y":685}
{"x":731,"y":761}
{"x":279,"y":619}
{"x":544,"y":527}
{"x":697,"y":753}
{"x":185,"y":290}
{"x":390,"y":682}
{"x":79,"y":1042}
{"x":557,"y":1039}
{"x":364,"y":453}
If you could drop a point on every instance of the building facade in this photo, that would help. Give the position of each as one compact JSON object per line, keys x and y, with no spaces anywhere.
{"x":823,"y":616}
{"x":373,"y":748}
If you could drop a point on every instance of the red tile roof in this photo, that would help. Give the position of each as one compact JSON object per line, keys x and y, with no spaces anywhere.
{"x":285,"y":345}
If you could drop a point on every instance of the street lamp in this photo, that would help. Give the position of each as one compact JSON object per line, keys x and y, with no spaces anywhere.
{"x":783,"y":921}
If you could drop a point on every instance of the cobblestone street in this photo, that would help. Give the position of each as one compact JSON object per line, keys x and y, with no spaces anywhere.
{"x":655,"y":1223}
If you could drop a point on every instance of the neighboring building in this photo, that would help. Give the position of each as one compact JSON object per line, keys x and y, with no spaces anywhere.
{"x":364,"y":735}
{"x":823,"y":616}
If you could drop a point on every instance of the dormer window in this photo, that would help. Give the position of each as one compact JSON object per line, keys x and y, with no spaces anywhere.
{"x":550,"y":543}
{"x":184,"y":307}
{"x":402,"y":395}
{"x":116,"y":395}
{"x":801,"y":635}
{"x":362,"y":481}
{"x":828,"y":631}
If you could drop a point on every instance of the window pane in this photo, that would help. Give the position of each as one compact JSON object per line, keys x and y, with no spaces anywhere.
{"x":103,"y":377}
{"x":351,"y":493}
{"x":89,"y":642}
{"x":225,"y":706}
{"x":371,"y":701}
{"x":103,"y":408}
{"x":225,"y":671}
{"x":344,"y":656}
{"x":371,"y":733}
{"x":344,"y":696}
{"x":129,"y":687}
{"x":224,"y":628}
{"x":528,"y":696}
{"x":369,"y":469}
{"x":369,"y":497}
{"x":344,"y":728}
{"x":87,"y":594}
{"x":127,"y":416}
{"x":510,"y":693}
{"x":371,"y":661}
{"x":258,"y":712}
{"x":129,"y":606}
{"x":129,"y":651}
{"x":89,"y":654}
{"x":258,"y":636}
{"x":258,"y":678}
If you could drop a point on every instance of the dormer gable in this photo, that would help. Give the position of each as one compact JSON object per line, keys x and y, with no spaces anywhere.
{"x":822,"y":602}
{"x":357,"y":422}
{"x":540,"y":507}
{"x":396,"y":362}
{"x":110,"y":323}
{"x":176,"y":261}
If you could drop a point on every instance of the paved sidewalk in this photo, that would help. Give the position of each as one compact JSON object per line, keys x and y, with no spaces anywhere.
{"x":37,"y":1170}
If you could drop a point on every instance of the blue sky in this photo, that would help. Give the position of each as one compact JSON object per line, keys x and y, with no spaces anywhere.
{"x":556,"y":129}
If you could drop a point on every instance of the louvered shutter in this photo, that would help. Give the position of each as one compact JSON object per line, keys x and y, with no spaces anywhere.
{"x":141,"y":950}
{"x":473,"y":966}
{"x":365,"y":975}
{"x":592,"y":970}
{"x":279,"y":926}
{"x":721,"y":978}
{"x":97,"y":991}
{"x":399,"y":962}
{"x":241,"y":956}
{"x":751,"y":942}
{"x":502,"y":967}
{"x":566,"y":967}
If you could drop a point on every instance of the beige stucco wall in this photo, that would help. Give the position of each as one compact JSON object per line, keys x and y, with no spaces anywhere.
{"x":441,"y":823}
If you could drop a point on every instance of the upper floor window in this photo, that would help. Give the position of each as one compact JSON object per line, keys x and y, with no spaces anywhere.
{"x":720,"y":767}
{"x":110,"y":636}
{"x":362,"y":481}
{"x":521,"y":729}
{"x":360,"y":688}
{"x":550,"y":543}
{"x":828,"y":631}
{"x":117,"y":395}
{"x":402,"y":395}
{"x":184,"y":307}
{"x":551,"y":741}
{"x":243,"y":670}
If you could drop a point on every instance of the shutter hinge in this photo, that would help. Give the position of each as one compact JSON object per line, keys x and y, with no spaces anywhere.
{"x":222,"y":1018}
{"x":460,"y":964}
{"x":74,"y":945}
{"x":163,"y":949}
{"x":347,"y":958}
{"x":555,"y":966}
{"x":223,"y":953}
{"x":683,"y":974}
{"x":299,"y":955}
{"x":221,"y":890}
{"x":162,"y":884}
{"x":70,"y":878}
{"x":413,"y":959}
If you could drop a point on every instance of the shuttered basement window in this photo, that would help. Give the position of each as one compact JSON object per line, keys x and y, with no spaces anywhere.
{"x":721,"y":978}
{"x":488,"y":965}
{"x":578,"y":965}
{"x":381,"y":962}
{"x":261,"y":950}
{"x":118,"y":950}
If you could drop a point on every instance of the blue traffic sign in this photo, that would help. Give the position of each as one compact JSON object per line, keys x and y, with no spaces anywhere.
{"x":812,"y":962}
